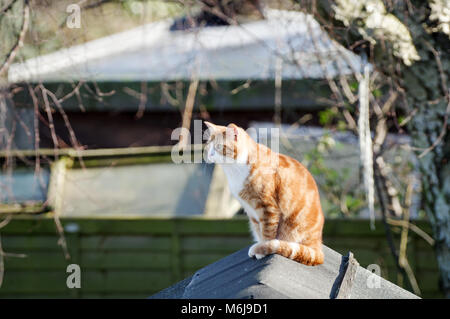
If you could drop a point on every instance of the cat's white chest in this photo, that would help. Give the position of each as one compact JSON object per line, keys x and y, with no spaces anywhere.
{"x":236,"y":175}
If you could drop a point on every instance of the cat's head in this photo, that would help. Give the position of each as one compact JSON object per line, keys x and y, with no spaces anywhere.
{"x":226,"y":144}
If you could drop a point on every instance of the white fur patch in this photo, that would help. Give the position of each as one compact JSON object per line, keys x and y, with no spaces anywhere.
{"x":251,"y":250}
{"x":236,"y":175}
{"x":242,"y":157}
{"x":210,"y":152}
{"x":251,"y":212}
{"x":313,"y":253}
{"x":236,"y":172}
{"x":295,"y":248}
{"x":274,"y":245}
{"x":256,"y":232}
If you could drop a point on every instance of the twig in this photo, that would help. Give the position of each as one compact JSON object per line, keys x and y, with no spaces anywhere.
{"x":412,"y":227}
{"x":71,"y":93}
{"x":50,"y":119}
{"x":384,"y":211}
{"x":100,"y":93}
{"x":187,"y":114}
{"x":174,"y":101}
{"x":79,"y":99}
{"x":37,"y":164}
{"x":142,"y":100}
{"x":408,"y":118}
{"x":241,"y":87}
{"x":3,"y":223}
{"x":62,"y":238}
{"x":73,"y":138}
{"x":402,"y":258}
{"x":331,"y":82}
{"x":12,"y":54}
{"x":6,"y":221}
{"x":386,"y":193}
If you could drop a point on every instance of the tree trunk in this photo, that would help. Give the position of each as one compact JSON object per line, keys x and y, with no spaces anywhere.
{"x":425,"y":127}
{"x":425,"y":84}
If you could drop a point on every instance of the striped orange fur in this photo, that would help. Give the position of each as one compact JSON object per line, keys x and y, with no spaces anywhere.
{"x":278,"y":194}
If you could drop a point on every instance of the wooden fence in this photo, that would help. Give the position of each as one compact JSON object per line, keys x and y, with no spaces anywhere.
{"x":136,"y":258}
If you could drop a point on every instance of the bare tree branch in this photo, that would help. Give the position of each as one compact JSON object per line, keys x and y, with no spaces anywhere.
{"x":19,"y":43}
{"x":187,"y":115}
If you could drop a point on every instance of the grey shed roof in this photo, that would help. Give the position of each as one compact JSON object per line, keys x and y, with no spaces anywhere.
{"x":154,"y":52}
{"x":238,"y":276}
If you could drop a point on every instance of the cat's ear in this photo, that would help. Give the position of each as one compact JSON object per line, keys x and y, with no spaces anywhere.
{"x":210,"y":130}
{"x":233,"y":129}
{"x":211,"y":126}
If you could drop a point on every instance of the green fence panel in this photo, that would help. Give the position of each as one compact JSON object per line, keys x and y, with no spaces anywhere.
{"x":131,"y":258}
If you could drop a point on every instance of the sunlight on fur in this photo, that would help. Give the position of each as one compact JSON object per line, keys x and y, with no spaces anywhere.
{"x":278,"y":194}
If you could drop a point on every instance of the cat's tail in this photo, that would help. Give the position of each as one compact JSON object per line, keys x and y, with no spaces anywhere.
{"x":307,"y":255}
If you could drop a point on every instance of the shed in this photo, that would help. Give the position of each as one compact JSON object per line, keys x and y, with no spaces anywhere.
{"x":276,"y":277}
{"x":147,"y":70}
{"x":159,"y":52}
{"x":291,"y":43}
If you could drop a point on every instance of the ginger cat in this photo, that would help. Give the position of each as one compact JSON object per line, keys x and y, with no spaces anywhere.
{"x":278,"y":194}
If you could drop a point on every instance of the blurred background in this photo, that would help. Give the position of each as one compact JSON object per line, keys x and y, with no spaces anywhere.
{"x":92,"y":91}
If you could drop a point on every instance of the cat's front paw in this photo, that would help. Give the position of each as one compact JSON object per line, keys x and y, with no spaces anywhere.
{"x":251,"y":251}
{"x":255,"y":251}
